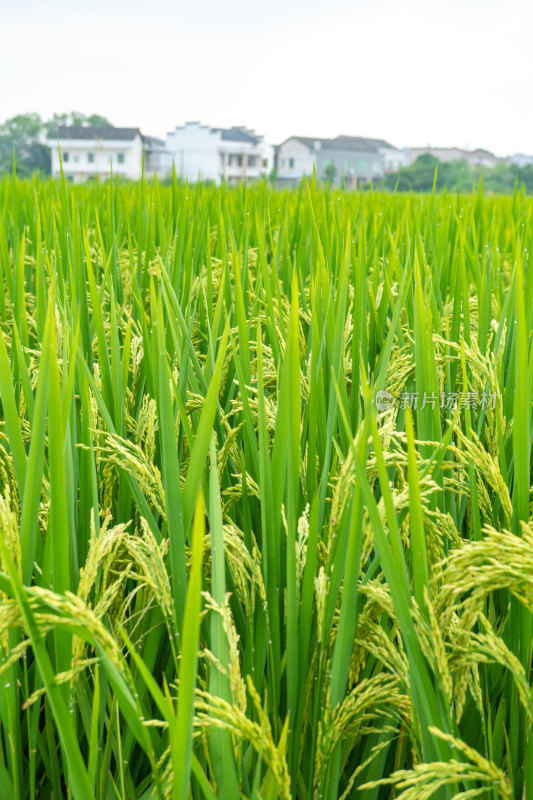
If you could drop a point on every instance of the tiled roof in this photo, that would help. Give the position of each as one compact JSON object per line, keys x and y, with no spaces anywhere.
{"x":153,"y":143}
{"x":237,"y":134}
{"x":377,"y":143}
{"x":93,"y":132}
{"x":356,"y":144}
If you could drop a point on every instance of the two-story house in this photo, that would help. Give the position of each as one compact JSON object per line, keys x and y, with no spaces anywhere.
{"x":475,"y":158}
{"x":200,"y":152}
{"x":520,"y":160}
{"x":354,"y":159}
{"x":99,"y":151}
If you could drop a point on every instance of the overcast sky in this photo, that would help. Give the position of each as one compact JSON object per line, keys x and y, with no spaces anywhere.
{"x":412,"y":72}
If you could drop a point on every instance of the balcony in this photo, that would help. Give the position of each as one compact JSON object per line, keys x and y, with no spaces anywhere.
{"x":238,"y":166}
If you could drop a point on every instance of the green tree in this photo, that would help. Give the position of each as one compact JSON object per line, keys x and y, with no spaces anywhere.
{"x":330,"y":170}
{"x":97,"y":119}
{"x":74,"y":118}
{"x":459,"y":176}
{"x":56,"y":122}
{"x":524,"y":176}
{"x":22,"y":137}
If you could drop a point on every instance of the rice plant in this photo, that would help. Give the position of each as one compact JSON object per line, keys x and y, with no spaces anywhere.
{"x":265,"y":504}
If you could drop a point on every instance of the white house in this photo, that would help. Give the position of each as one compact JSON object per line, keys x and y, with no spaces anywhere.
{"x":394,"y":158}
{"x":354,"y":159}
{"x":98,"y":151}
{"x":200,"y":152}
{"x":296,"y":157}
{"x":520,"y":160}
{"x":476,"y":158}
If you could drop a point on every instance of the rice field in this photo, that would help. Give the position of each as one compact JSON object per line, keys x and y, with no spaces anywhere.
{"x":265,"y":504}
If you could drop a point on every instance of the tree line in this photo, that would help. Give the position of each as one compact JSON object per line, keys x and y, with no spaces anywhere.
{"x":23,"y":139}
{"x":458,"y":176}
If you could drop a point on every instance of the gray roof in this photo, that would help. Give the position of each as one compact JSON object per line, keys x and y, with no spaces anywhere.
{"x":93,"y":132}
{"x":480,"y":151}
{"x":359,"y":140}
{"x":153,"y":143}
{"x":237,"y":134}
{"x":356,"y":144}
{"x":309,"y":141}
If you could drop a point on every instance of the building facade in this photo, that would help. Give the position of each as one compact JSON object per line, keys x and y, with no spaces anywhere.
{"x":476,"y":158}
{"x":200,"y":152}
{"x":99,"y":151}
{"x":352,"y":159}
{"x":157,"y":159}
{"x":520,"y":160}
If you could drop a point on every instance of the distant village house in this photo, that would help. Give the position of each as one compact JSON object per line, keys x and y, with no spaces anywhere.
{"x":354,"y":159}
{"x":238,"y":154}
{"x":520,"y":160}
{"x":475,"y":158}
{"x":235,"y":154}
{"x":99,"y":151}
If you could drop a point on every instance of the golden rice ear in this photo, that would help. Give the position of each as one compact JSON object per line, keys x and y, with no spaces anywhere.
{"x":214,"y":711}
{"x":433,"y":644}
{"x":375,"y":704}
{"x":476,"y":570}
{"x":122,"y":453}
{"x":9,"y":527}
{"x":385,"y":648}
{"x":469,"y":649}
{"x":146,"y":427}
{"x":489,"y":477}
{"x":8,"y":480}
{"x":246,"y":570}
{"x":233,"y":670}
{"x":147,"y":561}
{"x":427,"y":778}
{"x":103,"y":547}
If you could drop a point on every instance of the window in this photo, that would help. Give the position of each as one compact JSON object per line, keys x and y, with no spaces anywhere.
{"x":376,"y":166}
{"x":90,"y":158}
{"x":361,"y":164}
{"x":235,"y":160}
{"x":120,"y":158}
{"x":291,"y":163}
{"x":265,"y":162}
{"x":66,"y":157}
{"x":252,"y":161}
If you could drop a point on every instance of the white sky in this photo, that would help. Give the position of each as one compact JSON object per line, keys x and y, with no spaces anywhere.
{"x":413,"y":72}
